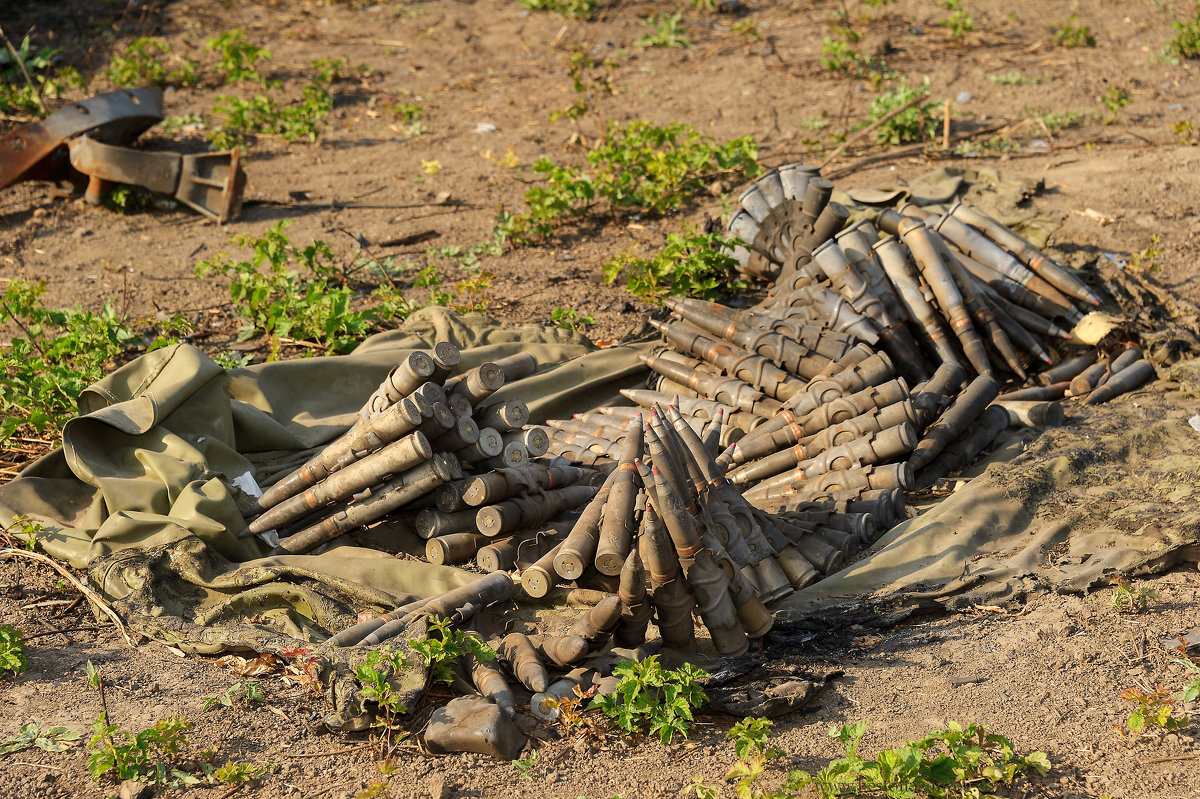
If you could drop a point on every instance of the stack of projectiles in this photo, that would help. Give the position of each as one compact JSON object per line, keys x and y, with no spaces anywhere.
{"x":873,"y":365}
{"x":432,"y":450}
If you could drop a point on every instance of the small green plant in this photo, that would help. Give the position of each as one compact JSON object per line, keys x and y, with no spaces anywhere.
{"x":378,"y":676}
{"x":639,"y":167}
{"x":917,"y":124}
{"x":1186,"y":42}
{"x":1186,"y":132}
{"x":571,"y":319}
{"x":26,"y":77}
{"x":749,"y":738}
{"x":709,"y":6}
{"x":749,"y":29}
{"x":1153,"y":710}
{"x":443,"y":651}
{"x":23,"y":531}
{"x":691,"y":263}
{"x":669,"y":31}
{"x":1128,"y":598}
{"x":966,"y":762}
{"x":1114,"y":99}
{"x":571,"y":712}
{"x":840,"y":56}
{"x":237,"y":59}
{"x":174,"y":124}
{"x":236,"y":118}
{"x":410,"y":115}
{"x":141,"y":65}
{"x":288,"y":291}
{"x":54,"y":739}
{"x":93,"y":675}
{"x":125,"y":199}
{"x":112,"y":752}
{"x":959,"y":23}
{"x":1191,"y":691}
{"x":525,"y":765}
{"x":649,"y":697}
{"x":1014,"y":78}
{"x":590,"y":79}
{"x":12,"y":650}
{"x":1072,"y":34}
{"x":1055,"y":121}
{"x":247,"y":692}
{"x":575,"y":9}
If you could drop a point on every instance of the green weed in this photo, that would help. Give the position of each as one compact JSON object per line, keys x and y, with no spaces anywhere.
{"x":959,"y":23}
{"x":525,"y":765}
{"x":376,"y":676}
{"x":238,"y":59}
{"x":410,"y":115}
{"x":669,"y":31}
{"x":247,"y":693}
{"x":917,"y":124}
{"x":27,"y":532}
{"x":575,"y":9}
{"x":839,"y":56}
{"x":12,"y":650}
{"x":443,"y":651}
{"x":1186,"y":132}
{"x":1057,"y":120}
{"x":1153,"y":710}
{"x":1014,"y":78}
{"x":60,"y":353}
{"x":287,"y":291}
{"x":649,"y":697}
{"x":970,"y":762}
{"x":155,"y":756}
{"x":236,"y":119}
{"x":589,"y":78}
{"x":1114,"y":99}
{"x":125,"y":199}
{"x":141,"y":64}
{"x":1191,"y":691}
{"x":17,"y":95}
{"x":691,"y":263}
{"x":571,"y":319}
{"x":1186,"y":41}
{"x":173,"y":124}
{"x":1072,"y":34}
{"x":748,"y":29}
{"x":1128,"y":598}
{"x":31,"y":733}
{"x":639,"y":167}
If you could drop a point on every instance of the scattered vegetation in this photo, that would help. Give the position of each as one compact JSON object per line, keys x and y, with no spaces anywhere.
{"x":525,"y":765}
{"x":141,"y":64}
{"x":238,"y":59}
{"x":247,"y":693}
{"x":1191,"y":691}
{"x":12,"y":651}
{"x":1072,"y":34}
{"x":1186,"y":132}
{"x":443,"y":651}
{"x":1186,"y":41}
{"x":1127,"y":597}
{"x":669,"y":31}
{"x":917,"y":124}
{"x":840,"y":56}
{"x":155,"y":756}
{"x":1114,"y":99}
{"x":959,"y":23}
{"x":236,"y":119}
{"x":691,"y":263}
{"x":31,"y":733}
{"x":589,"y":78}
{"x":292,"y":293}
{"x":59,"y":353}
{"x":748,"y":29}
{"x":377,"y":675}
{"x":955,"y":762}
{"x":575,"y":9}
{"x":410,"y":115}
{"x":1055,"y":121}
{"x":571,"y":319}
{"x":639,"y":167}
{"x":21,"y":533}
{"x":26,"y":77}
{"x":1015,"y":78}
{"x":1153,"y":710}
{"x":649,"y":697}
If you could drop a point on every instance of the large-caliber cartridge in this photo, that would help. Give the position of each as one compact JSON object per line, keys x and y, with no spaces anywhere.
{"x":531,"y":510}
{"x":519,"y":653}
{"x":617,"y":528}
{"x":672,"y":601}
{"x":577,"y":551}
{"x":961,"y":452}
{"x":1127,"y":379}
{"x":955,"y":421}
{"x":635,"y":607}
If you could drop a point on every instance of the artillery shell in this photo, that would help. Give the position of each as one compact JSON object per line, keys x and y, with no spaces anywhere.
{"x":1128,"y":357}
{"x":433,"y":523}
{"x":490,"y":683}
{"x":931,"y":398}
{"x":504,"y":416}
{"x":1051,"y":392}
{"x":597,"y":623}
{"x":453,"y":548}
{"x":617,"y":527}
{"x":955,"y":421}
{"x":438,"y":422}
{"x":449,"y":497}
{"x":1068,"y":369}
{"x":487,"y":489}
{"x":1127,"y":379}
{"x":415,"y":369}
{"x":636,"y":610}
{"x":960,"y":453}
{"x":518,"y":366}
{"x":522,"y":658}
{"x":477,"y":384}
{"x":1089,"y":378}
{"x":563,"y":650}
{"x":1032,"y":413}
{"x":520,"y":512}
{"x":579,"y":548}
{"x":536,"y":440}
{"x":538,"y":579}
{"x":461,"y":435}
{"x":446,"y":358}
{"x":489,"y":445}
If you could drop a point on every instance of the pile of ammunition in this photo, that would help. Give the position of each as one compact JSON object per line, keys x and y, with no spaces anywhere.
{"x":772,"y":444}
